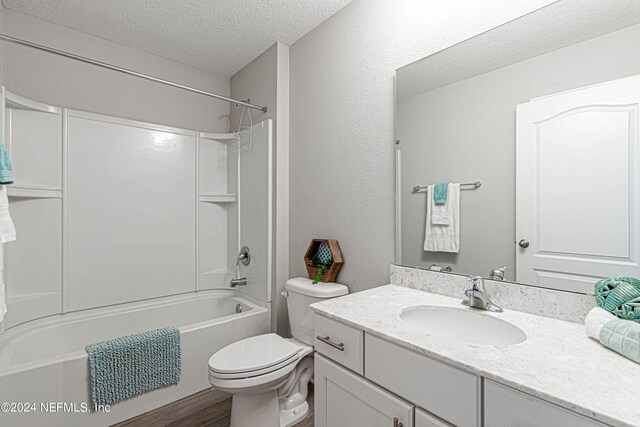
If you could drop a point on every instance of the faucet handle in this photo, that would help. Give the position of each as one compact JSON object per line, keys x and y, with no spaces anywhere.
{"x":477,"y":283}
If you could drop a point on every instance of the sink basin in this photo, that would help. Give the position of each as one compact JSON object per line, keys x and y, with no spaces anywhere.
{"x":462,"y":325}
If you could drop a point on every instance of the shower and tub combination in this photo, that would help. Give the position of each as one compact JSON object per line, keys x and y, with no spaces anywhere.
{"x":125,"y":227}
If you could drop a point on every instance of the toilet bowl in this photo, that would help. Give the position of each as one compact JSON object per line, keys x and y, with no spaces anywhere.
{"x":268,"y":375}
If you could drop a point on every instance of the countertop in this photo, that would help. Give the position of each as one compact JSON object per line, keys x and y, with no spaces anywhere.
{"x":557,"y":362}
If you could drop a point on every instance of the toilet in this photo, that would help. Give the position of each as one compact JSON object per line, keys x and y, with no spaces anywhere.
{"x":268,"y":375}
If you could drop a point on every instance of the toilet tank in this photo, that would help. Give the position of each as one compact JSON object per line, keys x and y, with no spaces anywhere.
{"x":301,"y":293}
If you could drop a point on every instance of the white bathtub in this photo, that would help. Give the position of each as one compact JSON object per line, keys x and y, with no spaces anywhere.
{"x":44,"y":362}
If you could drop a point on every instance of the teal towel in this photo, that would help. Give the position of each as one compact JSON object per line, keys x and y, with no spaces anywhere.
{"x":125,"y":367}
{"x":622,"y":336}
{"x":6,"y":169}
{"x":440,"y":193}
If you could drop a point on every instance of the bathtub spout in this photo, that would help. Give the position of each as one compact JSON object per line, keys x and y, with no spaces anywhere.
{"x":238,"y":282}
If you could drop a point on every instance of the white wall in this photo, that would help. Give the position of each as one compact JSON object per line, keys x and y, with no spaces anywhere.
{"x":342,"y":120}
{"x":265,"y":81}
{"x":68,"y":83}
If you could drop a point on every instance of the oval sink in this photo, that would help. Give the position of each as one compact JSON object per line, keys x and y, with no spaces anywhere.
{"x":462,"y":325}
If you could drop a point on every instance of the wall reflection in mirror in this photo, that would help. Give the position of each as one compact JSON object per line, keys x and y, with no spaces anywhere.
{"x":544,"y":113}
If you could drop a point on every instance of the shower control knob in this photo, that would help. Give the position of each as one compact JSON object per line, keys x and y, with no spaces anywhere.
{"x":523,"y":243}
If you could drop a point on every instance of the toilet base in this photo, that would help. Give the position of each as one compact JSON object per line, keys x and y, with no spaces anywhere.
{"x":259,"y":409}
{"x":293,"y":416}
{"x":263,"y":409}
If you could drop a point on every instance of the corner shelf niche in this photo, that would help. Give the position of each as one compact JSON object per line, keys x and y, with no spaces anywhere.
{"x":33,"y":263}
{"x":217,"y":213}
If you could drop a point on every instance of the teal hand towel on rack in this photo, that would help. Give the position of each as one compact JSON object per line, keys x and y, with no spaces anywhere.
{"x":440,"y":191}
{"x":6,"y":169}
{"x":128,"y":366}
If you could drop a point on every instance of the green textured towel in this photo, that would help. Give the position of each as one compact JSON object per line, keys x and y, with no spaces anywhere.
{"x":620,"y":296}
{"x":440,"y":191}
{"x":125,"y":367}
{"x":622,"y":337}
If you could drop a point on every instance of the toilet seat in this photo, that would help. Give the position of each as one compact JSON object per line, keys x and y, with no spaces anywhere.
{"x":253,"y":357}
{"x":235,"y":375}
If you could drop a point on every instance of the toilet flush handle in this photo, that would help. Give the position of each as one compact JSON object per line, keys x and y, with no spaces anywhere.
{"x":285,"y":294}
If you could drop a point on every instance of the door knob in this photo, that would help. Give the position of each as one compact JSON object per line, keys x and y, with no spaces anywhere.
{"x":523,"y":243}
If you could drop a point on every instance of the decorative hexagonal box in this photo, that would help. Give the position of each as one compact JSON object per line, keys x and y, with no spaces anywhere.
{"x":323,"y":260}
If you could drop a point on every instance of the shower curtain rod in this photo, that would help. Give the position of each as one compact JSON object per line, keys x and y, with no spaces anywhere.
{"x":126,"y":71}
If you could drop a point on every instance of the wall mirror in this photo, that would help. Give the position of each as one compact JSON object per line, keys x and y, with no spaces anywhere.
{"x":544,"y":112}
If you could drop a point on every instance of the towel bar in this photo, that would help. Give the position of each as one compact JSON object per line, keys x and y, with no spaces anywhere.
{"x":475,"y":185}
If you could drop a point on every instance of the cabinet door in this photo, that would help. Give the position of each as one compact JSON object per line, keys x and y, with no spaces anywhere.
{"x":343,"y":399}
{"x":425,"y":419}
{"x":505,"y":407}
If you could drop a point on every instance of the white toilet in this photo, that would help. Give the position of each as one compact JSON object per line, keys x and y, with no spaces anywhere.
{"x":268,"y":375}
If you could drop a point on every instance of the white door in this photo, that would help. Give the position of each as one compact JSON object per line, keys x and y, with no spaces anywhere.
{"x":577,"y":186}
{"x":343,"y":399}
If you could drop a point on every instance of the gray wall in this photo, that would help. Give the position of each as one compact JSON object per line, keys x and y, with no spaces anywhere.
{"x":265,"y":81}
{"x":342,"y":121}
{"x":68,"y":83}
{"x":466,"y":131}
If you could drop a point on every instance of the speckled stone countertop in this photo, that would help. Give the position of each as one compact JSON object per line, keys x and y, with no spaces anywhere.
{"x":557,"y":362}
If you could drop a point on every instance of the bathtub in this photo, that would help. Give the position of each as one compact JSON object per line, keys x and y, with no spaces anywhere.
{"x":44,"y":370}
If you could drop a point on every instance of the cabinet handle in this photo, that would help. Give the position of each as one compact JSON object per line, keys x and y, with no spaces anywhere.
{"x":396,"y":423}
{"x":326,"y":340}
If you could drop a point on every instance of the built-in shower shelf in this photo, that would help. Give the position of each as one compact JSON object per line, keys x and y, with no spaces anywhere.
{"x":34,"y":192}
{"x":222,"y":137}
{"x":218,"y":198}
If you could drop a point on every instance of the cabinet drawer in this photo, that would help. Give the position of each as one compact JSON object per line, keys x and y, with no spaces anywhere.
{"x":447,"y":392}
{"x":506,"y":407}
{"x":339,"y":342}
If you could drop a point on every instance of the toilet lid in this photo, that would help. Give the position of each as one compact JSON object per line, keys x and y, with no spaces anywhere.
{"x":253,"y":354}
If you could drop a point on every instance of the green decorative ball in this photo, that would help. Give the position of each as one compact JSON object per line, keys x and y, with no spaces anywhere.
{"x":620,"y":296}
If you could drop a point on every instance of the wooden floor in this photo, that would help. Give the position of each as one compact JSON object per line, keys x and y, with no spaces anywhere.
{"x":208,"y":408}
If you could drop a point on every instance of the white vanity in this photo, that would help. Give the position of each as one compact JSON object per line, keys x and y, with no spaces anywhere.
{"x":375,"y":367}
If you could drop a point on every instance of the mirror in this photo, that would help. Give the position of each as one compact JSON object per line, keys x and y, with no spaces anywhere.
{"x":544,"y":112}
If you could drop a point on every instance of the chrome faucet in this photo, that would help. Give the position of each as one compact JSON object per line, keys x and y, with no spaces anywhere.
{"x":477,"y":296}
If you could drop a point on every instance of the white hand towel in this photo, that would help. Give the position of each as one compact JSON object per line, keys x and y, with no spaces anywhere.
{"x":595,"y":320}
{"x":442,"y":231}
{"x":7,"y":229}
{"x":3,"y":304}
{"x":7,"y":234}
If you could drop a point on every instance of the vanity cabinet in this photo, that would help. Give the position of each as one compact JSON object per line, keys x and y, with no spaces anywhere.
{"x":346,"y":399}
{"x":363,"y":380}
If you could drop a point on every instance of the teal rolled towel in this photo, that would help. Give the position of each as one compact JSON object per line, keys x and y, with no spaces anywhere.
{"x":440,"y":191}
{"x":622,"y":336}
{"x":6,"y":169}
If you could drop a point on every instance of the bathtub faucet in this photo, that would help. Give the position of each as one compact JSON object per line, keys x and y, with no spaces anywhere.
{"x":238,"y":282}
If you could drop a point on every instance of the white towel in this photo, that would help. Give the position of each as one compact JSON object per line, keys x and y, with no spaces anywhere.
{"x":7,"y":234}
{"x":595,"y":320}
{"x":442,"y":231}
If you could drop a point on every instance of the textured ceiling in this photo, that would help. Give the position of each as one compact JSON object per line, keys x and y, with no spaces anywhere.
{"x":220,"y":36}
{"x":562,"y":23}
